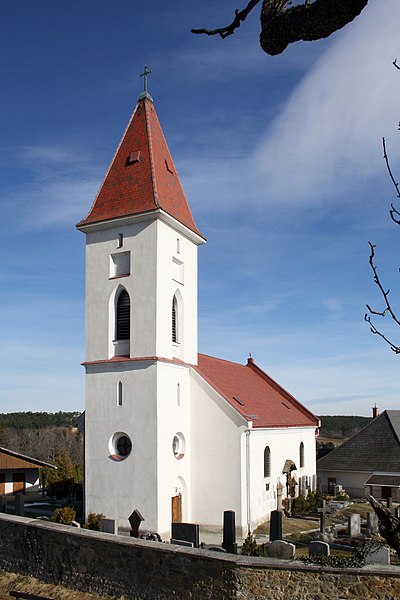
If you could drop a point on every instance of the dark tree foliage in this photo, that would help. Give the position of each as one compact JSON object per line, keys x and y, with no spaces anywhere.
{"x":38,"y":420}
{"x":282,"y":24}
{"x":341,"y":426}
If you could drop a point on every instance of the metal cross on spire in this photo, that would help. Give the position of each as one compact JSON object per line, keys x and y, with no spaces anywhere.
{"x":145,"y":74}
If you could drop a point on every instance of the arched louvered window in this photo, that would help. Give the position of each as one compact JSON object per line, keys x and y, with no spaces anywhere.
{"x":123,"y":320}
{"x":267,"y":462}
{"x":301,"y":455}
{"x":174,"y":320}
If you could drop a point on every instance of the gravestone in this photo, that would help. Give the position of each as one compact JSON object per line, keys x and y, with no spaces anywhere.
{"x":229,"y":532}
{"x":389,"y":504}
{"x":186,"y":532}
{"x":338,"y":490}
{"x":322,"y":516}
{"x":319,"y":549}
{"x":372,"y":522}
{"x":135,"y":519}
{"x":397,"y":512}
{"x":380,"y":555}
{"x":280,"y":549}
{"x":19,"y":505}
{"x":3,"y":504}
{"x":275,"y":526}
{"x":109,"y":525}
{"x":182,"y":543}
{"x":354,"y":524}
{"x":279,"y":493}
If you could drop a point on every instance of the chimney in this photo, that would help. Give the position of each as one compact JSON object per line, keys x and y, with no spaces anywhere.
{"x":375,"y":411}
{"x":250,"y":360}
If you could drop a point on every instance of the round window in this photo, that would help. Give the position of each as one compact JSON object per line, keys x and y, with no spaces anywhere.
{"x":178,"y":446}
{"x":120,"y":446}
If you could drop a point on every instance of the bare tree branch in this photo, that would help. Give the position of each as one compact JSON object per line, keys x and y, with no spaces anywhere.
{"x":224,"y":32}
{"x":394,"y":212}
{"x":282,"y":24}
{"x":387,"y":310}
{"x":395,"y":64}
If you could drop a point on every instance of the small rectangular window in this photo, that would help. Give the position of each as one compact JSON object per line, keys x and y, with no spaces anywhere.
{"x":177,"y":270}
{"x":120,"y":240}
{"x":120,"y":264}
{"x":178,"y":246}
{"x":119,"y":393}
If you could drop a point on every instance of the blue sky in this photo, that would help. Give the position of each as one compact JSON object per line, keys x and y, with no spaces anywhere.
{"x":280,"y":159}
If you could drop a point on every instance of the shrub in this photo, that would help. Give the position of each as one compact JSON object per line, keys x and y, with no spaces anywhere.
{"x":63,"y":515}
{"x":93,"y":521}
{"x":305,"y":506}
{"x":251,"y":548}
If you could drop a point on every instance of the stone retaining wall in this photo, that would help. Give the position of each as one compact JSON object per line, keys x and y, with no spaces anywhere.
{"x":108,"y":564}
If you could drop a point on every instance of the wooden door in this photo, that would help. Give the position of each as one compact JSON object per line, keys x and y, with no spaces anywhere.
{"x":2,"y":484}
{"x":18,"y":483}
{"x":176,"y":509}
{"x":386,"y":492}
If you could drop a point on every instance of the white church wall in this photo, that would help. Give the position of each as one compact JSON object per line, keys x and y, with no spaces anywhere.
{"x":139,"y":239}
{"x":176,"y":273}
{"x":216,"y":456}
{"x":116,"y":487}
{"x":173,"y":418}
{"x":284,"y":443}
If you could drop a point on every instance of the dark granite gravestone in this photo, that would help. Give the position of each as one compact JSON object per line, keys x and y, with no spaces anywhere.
{"x":186,"y":532}
{"x":317,"y":548}
{"x":135,"y":519}
{"x":229,"y":532}
{"x":275,"y":526}
{"x":19,"y":505}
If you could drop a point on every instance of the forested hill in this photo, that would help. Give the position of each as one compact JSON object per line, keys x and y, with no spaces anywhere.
{"x":37,"y":420}
{"x":341,"y":426}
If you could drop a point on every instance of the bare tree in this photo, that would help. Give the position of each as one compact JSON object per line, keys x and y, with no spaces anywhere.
{"x":282,"y":24}
{"x":387,"y":309}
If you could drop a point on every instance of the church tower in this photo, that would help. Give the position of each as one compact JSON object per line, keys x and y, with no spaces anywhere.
{"x":141,"y":331}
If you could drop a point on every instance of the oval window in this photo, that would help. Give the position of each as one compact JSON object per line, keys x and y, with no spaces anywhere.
{"x":178,"y":446}
{"x":120,"y":446}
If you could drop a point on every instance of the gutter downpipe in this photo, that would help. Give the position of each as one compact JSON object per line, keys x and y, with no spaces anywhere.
{"x":248,"y":495}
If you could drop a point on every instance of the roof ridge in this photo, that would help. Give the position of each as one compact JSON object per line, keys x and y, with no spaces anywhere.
{"x":150,"y":145}
{"x":391,"y":424}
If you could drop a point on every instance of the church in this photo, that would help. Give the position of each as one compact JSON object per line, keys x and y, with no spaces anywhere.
{"x":178,"y":435}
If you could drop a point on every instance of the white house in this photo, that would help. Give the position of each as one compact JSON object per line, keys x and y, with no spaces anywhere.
{"x":179,"y":435}
{"x":19,"y":473}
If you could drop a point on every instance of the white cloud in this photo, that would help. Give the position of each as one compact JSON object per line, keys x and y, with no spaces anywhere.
{"x":327,"y":137}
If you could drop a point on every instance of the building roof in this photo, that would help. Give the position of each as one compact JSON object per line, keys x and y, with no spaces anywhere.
{"x":142,"y":177}
{"x":15,"y":460}
{"x":254,"y":394}
{"x":375,"y":448}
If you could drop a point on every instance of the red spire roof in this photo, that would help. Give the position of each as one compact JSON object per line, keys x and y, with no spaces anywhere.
{"x":254,"y":394}
{"x":142,"y":176}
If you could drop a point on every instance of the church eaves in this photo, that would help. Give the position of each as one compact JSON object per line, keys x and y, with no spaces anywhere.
{"x":142,"y":177}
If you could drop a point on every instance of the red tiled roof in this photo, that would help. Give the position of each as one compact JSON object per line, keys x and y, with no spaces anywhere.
{"x":142,"y":176}
{"x":254,"y":394}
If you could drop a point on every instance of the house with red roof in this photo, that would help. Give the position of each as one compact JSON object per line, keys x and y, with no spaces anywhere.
{"x":178,"y":435}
